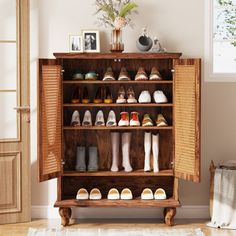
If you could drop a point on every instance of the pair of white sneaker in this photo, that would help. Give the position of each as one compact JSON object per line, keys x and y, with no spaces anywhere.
{"x":87,"y":120}
{"x":158,"y":96}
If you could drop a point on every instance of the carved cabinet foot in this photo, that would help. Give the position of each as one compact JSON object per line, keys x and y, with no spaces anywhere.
{"x":65,"y":214}
{"x":169,"y":214}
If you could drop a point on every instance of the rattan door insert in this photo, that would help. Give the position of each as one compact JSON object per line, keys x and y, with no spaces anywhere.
{"x":187,"y":119}
{"x":50,"y":126}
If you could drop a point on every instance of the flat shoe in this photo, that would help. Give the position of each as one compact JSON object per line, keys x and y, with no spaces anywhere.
{"x":147,"y":194}
{"x":126,"y":194}
{"x":95,"y":194}
{"x":82,"y":194}
{"x":160,"y":194}
{"x":113,"y":194}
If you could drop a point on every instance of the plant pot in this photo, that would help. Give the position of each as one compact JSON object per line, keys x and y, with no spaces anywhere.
{"x":116,"y":41}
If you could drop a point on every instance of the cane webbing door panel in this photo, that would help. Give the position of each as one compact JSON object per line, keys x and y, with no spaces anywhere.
{"x":187,"y":118}
{"x":50,"y":126}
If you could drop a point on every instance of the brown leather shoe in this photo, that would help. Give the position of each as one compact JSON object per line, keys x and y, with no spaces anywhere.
{"x":155,"y":74}
{"x":99,"y":96}
{"x":124,"y":75}
{"x":141,"y":74}
{"x":76,"y":96}
{"x":85,"y":96}
{"x":107,"y":96}
{"x":109,"y":74}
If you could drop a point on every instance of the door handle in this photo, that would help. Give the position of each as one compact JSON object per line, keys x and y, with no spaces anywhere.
{"x":22,"y":108}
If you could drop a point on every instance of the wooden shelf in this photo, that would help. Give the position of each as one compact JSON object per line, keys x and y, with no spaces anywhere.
{"x":134,"y":203}
{"x":119,"y":105}
{"x":135,"y":56}
{"x":119,"y":173}
{"x":117,"y":128}
{"x":117,"y":82}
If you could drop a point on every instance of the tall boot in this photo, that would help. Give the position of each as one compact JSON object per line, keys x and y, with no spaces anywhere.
{"x":80,"y":159}
{"x":155,"y":151}
{"x":115,"y":142}
{"x":93,"y":159}
{"x":147,"y":150}
{"x":126,"y":139}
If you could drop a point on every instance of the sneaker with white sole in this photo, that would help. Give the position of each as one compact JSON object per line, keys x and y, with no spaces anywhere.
{"x":99,"y":119}
{"x":121,"y":95}
{"x":131,"y":95}
{"x":87,"y":121}
{"x":144,"y":97}
{"x":75,"y":120}
{"x":111,"y":120}
{"x":159,"y":97}
{"x":134,"y":121}
{"x":124,"y":119}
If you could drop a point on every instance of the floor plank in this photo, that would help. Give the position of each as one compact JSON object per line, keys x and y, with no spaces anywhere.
{"x":22,"y":228}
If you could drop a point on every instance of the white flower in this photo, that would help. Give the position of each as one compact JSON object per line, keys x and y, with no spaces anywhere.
{"x":120,"y":22}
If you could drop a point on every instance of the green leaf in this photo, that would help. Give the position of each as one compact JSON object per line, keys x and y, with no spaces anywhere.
{"x":127,"y":8}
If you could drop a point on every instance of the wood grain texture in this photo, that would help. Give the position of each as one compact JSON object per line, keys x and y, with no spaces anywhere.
{"x":130,"y":82}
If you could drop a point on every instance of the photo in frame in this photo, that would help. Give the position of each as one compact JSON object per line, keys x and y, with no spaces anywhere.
{"x":76,"y":43}
{"x":91,"y":40}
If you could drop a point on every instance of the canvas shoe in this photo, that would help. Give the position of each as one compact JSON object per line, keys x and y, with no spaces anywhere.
{"x":131,"y":96}
{"x":95,"y":194}
{"x":126,"y":194}
{"x":99,"y":119}
{"x":109,"y":74}
{"x":161,"y":121}
{"x":141,"y":74}
{"x":82,"y":194}
{"x":121,"y":95}
{"x":144,"y":97}
{"x":87,"y":120}
{"x":159,"y":97}
{"x":76,"y":95}
{"x":111,"y":120}
{"x":134,"y":121}
{"x":155,"y":74}
{"x":113,"y":194}
{"x":124,"y":75}
{"x":75,"y":120}
{"x":160,"y":194}
{"x":124,"y":119}
{"x":147,"y":194}
{"x":85,"y":96}
{"x":147,"y":121}
{"x":98,"y":96}
{"x":107,"y":96}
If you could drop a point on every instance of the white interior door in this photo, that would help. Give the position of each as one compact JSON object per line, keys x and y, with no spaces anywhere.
{"x":14,"y":118}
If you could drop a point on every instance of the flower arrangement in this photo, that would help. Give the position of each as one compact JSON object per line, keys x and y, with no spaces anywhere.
{"x":115,"y":13}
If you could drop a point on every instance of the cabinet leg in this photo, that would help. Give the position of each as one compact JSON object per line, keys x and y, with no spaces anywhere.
{"x":169,"y":214}
{"x":65,"y":213}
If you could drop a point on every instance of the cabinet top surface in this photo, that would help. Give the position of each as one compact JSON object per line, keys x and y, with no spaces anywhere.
{"x":117,"y":55}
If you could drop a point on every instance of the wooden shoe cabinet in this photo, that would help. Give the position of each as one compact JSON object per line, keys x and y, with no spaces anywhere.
{"x":179,"y":154}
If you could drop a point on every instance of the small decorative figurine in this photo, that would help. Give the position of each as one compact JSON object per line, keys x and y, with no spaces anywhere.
{"x":157,"y":46}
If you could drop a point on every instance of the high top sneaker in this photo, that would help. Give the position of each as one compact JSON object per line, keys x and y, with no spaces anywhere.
{"x":134,"y":119}
{"x":124,"y":119}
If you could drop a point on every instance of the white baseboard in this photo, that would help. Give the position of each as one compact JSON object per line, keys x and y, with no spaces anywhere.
{"x":49,"y":212}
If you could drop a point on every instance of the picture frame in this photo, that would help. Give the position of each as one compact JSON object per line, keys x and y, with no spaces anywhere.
{"x":76,"y":43}
{"x":91,"y":39}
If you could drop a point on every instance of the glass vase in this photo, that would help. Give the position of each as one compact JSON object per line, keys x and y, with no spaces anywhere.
{"x":116,"y":41}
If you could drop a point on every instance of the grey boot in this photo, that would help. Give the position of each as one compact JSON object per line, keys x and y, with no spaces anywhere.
{"x":93,"y":159}
{"x":80,"y":159}
{"x":115,"y":143}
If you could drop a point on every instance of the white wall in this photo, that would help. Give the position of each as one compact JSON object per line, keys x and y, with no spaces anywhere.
{"x":180,"y":27}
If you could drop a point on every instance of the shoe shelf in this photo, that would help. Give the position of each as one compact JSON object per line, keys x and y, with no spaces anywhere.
{"x":117,"y":82}
{"x":120,"y":173}
{"x":117,"y":128}
{"x":134,"y":203}
{"x":118,"y":105}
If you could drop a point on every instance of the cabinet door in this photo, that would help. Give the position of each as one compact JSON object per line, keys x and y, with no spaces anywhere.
{"x":187,"y":118}
{"x":50,"y":125}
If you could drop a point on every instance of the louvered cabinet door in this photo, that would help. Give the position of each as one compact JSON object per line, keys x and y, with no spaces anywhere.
{"x":187,"y":118}
{"x":50,"y":126}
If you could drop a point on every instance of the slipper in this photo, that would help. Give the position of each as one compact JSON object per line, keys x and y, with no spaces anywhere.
{"x":113,"y":194}
{"x":126,"y":194}
{"x":160,"y":194}
{"x":82,"y":194}
{"x":147,"y":194}
{"x":95,"y":194}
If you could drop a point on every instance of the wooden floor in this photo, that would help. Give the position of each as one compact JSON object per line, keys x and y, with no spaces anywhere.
{"x":22,"y":229}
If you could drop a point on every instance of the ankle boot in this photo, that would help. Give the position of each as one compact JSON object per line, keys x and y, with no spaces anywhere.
{"x":126,"y":139}
{"x":80,"y":159}
{"x":115,"y":143}
{"x":147,"y":150}
{"x":155,"y":151}
{"x":93,"y":159}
